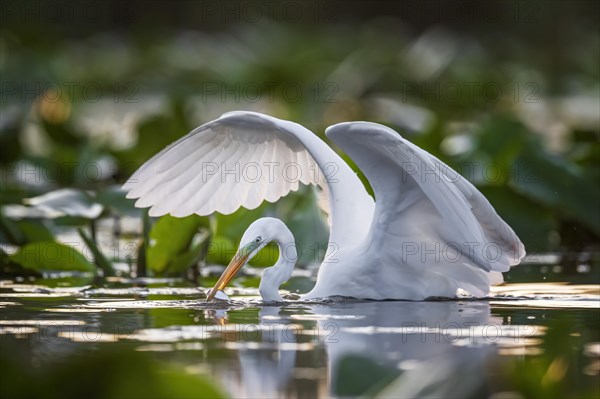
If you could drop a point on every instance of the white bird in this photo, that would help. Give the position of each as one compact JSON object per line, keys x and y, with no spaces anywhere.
{"x":429,"y":233}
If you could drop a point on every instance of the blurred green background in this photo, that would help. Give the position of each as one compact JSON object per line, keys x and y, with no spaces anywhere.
{"x":505,"y":92}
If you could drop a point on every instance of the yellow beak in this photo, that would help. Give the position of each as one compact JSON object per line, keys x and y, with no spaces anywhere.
{"x":239,"y":260}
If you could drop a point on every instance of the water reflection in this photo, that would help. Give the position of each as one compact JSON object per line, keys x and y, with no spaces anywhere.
{"x":265,"y":370}
{"x":414,"y":347}
{"x":337,"y":347}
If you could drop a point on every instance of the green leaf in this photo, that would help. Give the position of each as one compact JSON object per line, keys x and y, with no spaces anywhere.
{"x":558,"y":184}
{"x":220,"y":250}
{"x":49,"y":255}
{"x":113,"y":198}
{"x":170,"y":237}
{"x":501,"y":139}
{"x":7,"y":266}
{"x":183,"y":261}
{"x":233,"y":226}
{"x":11,"y":230}
{"x":35,"y":231}
{"x":307,"y":223}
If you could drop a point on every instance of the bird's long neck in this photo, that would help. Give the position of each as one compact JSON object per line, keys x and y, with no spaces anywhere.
{"x":281,"y":271}
{"x":351,"y":206}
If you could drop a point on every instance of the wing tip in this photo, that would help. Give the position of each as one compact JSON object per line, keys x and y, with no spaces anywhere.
{"x":520,"y":253}
{"x":130,"y":194}
{"x":516,"y":253}
{"x":359,"y":128}
{"x":129,"y":184}
{"x":237,"y":117}
{"x":153,"y":212}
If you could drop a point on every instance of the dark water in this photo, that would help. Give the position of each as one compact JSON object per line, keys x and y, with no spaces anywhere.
{"x":525,"y":340}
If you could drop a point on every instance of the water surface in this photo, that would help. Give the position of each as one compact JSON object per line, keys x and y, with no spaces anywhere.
{"x":339,"y":347}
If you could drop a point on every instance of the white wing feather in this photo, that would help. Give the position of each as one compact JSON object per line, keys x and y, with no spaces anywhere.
{"x":235,"y":161}
{"x":422,"y":201}
{"x":243,"y":159}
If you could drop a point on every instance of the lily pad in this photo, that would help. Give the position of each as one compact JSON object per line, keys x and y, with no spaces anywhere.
{"x":49,"y":255}
{"x":66,"y":202}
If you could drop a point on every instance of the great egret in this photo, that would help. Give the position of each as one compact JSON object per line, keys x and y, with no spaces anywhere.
{"x":430,"y":233}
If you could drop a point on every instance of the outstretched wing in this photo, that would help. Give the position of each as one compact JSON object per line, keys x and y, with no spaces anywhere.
{"x":238,"y":160}
{"x":425,"y":205}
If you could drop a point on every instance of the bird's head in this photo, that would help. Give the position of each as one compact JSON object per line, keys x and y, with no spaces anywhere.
{"x":256,"y":237}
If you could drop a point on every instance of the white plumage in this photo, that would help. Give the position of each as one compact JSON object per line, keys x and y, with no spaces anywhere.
{"x":430,"y":232}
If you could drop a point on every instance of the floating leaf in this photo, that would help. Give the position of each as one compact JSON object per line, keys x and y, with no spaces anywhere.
{"x":8,"y":266}
{"x":66,"y":202}
{"x":18,"y":212}
{"x":49,"y":255}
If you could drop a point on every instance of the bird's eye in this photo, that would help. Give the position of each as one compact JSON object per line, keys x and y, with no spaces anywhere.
{"x":258,"y":239}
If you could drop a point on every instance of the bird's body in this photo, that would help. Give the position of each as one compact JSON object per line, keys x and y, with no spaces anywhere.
{"x":430,"y":232}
